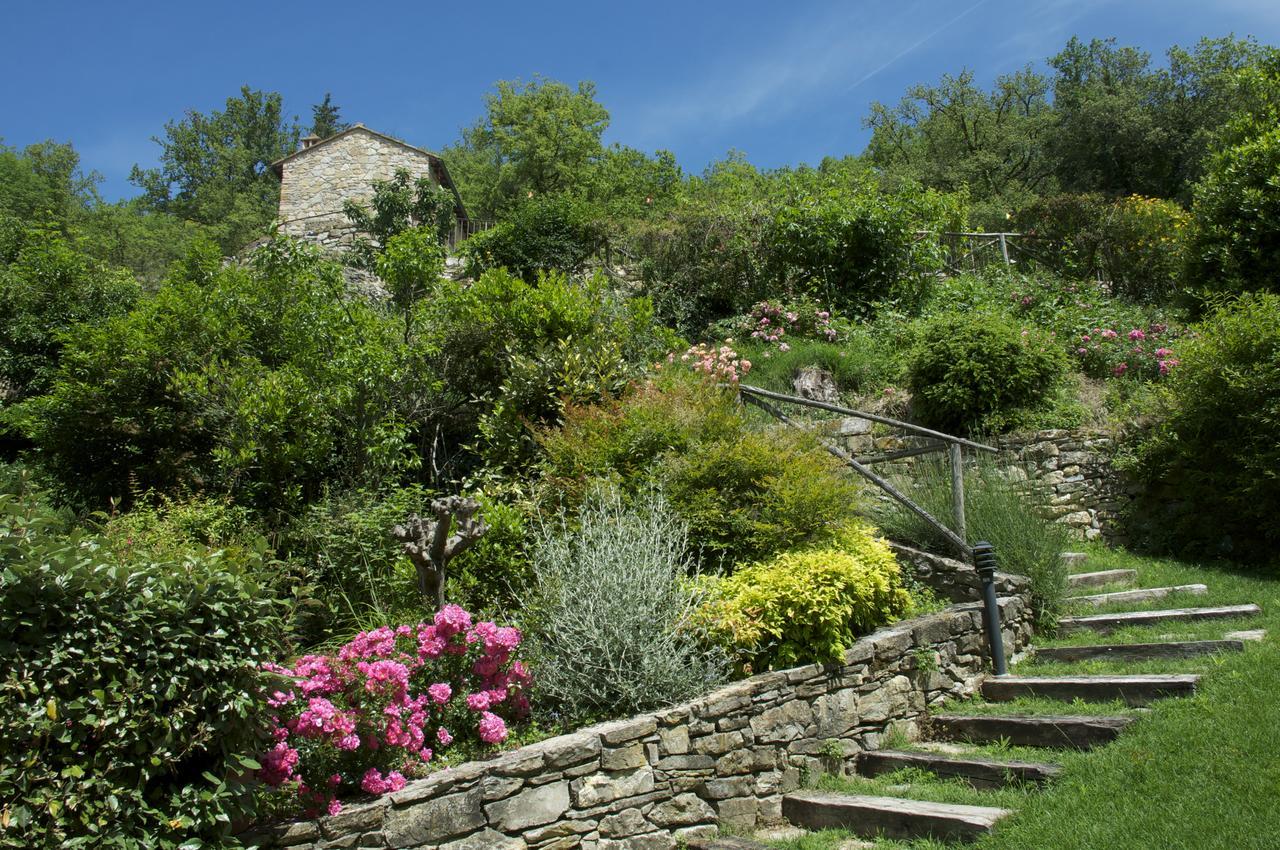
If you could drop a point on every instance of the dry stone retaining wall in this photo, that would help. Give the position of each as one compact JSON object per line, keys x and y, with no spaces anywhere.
{"x":727,"y":758}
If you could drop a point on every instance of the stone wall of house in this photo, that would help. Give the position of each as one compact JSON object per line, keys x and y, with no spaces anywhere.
{"x":724,"y":759}
{"x":317,"y":181}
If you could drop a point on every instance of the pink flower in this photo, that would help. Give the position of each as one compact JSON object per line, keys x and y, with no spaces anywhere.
{"x":1163,"y":352}
{"x":478,"y":702}
{"x":1121,"y":369}
{"x":492,"y":728}
{"x":1136,"y":335}
{"x":784,"y":347}
{"x":451,"y":620}
{"x":349,"y":742}
{"x":444,"y":737}
{"x":334,"y":807}
{"x":440,"y":692}
{"x":278,"y":764}
{"x":1109,"y":334}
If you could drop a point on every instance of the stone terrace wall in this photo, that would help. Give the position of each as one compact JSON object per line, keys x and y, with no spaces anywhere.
{"x":727,"y":758}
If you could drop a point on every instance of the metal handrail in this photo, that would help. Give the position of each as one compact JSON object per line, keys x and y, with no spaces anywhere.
{"x":952,"y":444}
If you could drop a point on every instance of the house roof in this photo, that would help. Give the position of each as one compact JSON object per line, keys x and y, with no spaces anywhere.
{"x":437,"y":164}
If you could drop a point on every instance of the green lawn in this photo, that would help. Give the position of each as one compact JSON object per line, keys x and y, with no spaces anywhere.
{"x":1202,"y":772}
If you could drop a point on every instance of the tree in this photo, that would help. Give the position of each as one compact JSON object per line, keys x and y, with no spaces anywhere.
{"x":326,"y":119}
{"x":954,"y":135}
{"x":215,"y":168}
{"x":399,"y":204}
{"x":43,"y":183}
{"x":540,"y":137}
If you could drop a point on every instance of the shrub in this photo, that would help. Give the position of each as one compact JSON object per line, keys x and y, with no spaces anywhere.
{"x":745,"y":493}
{"x":388,"y":702}
{"x":1135,"y":353}
{"x":977,"y":372}
{"x":130,"y":703}
{"x":546,"y":233}
{"x":46,"y":288}
{"x":806,"y":606}
{"x":1002,"y":508}
{"x":1211,"y":461}
{"x":611,"y":619}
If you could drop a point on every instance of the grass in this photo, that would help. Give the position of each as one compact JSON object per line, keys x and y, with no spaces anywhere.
{"x":1197,"y":773}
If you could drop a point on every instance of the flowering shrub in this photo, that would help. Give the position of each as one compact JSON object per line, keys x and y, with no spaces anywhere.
{"x":718,"y":363}
{"x":769,"y":323}
{"x":1136,"y":353}
{"x":388,"y":702}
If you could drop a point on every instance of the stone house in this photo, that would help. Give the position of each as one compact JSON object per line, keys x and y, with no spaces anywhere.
{"x":323,"y":174}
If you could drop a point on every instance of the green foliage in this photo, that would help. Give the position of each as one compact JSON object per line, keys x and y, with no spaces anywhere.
{"x":610,"y":624}
{"x":511,"y":353}
{"x":43,"y":184}
{"x":46,"y":289}
{"x":399,"y":204}
{"x":411,"y":265}
{"x":1236,"y":210}
{"x":259,"y":381}
{"x":131,"y":702}
{"x":745,"y":493}
{"x":215,"y":168}
{"x":1211,"y":461}
{"x":326,"y":118}
{"x":860,"y":364}
{"x":806,"y":606}
{"x":977,"y":372}
{"x":954,"y":136}
{"x":540,"y":137}
{"x":1001,"y":507}
{"x":545,"y":233}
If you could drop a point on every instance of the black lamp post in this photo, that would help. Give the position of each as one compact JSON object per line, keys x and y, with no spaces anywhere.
{"x":984,"y":559}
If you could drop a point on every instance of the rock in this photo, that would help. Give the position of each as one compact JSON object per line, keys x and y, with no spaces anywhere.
{"x":486,"y":840}
{"x":684,"y":810}
{"x":434,"y":821}
{"x":601,"y":788}
{"x":531,"y":807}
{"x":624,"y":758}
{"x":817,"y":384}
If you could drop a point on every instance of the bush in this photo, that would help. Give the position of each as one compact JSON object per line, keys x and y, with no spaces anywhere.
{"x":1211,"y":462}
{"x":130,"y":703}
{"x":611,"y":620}
{"x":999,"y":508}
{"x":47,"y":288}
{"x":546,"y":233}
{"x":389,"y":702}
{"x":972,"y":373}
{"x":745,"y":493}
{"x":258,"y":382}
{"x":806,"y":606}
{"x":862,"y":363}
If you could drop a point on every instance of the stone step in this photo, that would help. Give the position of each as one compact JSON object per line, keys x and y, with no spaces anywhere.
{"x":1138,"y":651}
{"x":890,"y":817}
{"x":978,"y":772}
{"x":1079,"y":731}
{"x":1071,"y":560}
{"x":1133,"y":690}
{"x":1143,"y":594}
{"x":1102,"y":577}
{"x":724,"y":843}
{"x":1110,"y":622}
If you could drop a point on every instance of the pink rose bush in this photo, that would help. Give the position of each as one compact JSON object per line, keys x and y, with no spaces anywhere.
{"x":769,"y":322}
{"x":390,"y":701}
{"x":1145,"y":354}
{"x":719,"y":363}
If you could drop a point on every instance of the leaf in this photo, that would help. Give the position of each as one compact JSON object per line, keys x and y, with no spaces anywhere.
{"x":51,"y":709}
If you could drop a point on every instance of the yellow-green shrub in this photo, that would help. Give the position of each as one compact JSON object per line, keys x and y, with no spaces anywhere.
{"x":805,"y":606}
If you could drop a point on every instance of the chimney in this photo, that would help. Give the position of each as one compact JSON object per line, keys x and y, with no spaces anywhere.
{"x":308,"y":141}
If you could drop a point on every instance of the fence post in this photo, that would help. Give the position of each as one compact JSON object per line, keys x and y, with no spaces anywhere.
{"x":1004,"y":248}
{"x":984,"y":558}
{"x":957,"y":490}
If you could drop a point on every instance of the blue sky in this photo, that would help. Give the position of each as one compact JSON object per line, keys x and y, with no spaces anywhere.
{"x":785,"y":82}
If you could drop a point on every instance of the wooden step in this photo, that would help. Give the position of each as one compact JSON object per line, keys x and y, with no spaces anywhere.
{"x":978,"y":772}
{"x":891,"y":817}
{"x":1071,"y":560}
{"x":1103,"y":577}
{"x":1134,"y":690}
{"x":1138,"y":651}
{"x":1110,"y":622}
{"x":1081,"y":731}
{"x":1142,"y":594}
{"x":1254,"y":635}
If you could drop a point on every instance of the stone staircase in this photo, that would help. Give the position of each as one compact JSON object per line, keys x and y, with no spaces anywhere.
{"x":899,"y":817}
